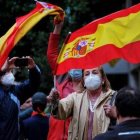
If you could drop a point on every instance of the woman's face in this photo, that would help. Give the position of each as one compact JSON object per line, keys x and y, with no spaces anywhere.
{"x":94,"y":71}
{"x":92,"y":79}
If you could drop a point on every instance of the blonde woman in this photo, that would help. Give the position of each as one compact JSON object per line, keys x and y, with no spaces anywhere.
{"x":89,"y":108}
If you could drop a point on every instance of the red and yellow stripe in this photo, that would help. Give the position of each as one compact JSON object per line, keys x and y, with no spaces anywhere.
{"x":23,"y":25}
{"x":114,"y":36}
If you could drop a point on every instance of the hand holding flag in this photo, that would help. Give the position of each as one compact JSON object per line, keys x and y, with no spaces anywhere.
{"x":113,"y":36}
{"x":23,"y":25}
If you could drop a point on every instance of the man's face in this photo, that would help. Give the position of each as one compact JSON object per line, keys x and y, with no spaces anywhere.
{"x":27,"y":104}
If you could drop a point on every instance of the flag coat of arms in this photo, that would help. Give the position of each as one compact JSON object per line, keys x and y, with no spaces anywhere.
{"x":114,"y":36}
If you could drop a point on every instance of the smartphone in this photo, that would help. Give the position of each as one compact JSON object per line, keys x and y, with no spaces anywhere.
{"x":21,"y":62}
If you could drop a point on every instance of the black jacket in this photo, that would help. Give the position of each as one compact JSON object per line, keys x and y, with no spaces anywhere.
{"x":10,"y":100}
{"x":128,"y":130}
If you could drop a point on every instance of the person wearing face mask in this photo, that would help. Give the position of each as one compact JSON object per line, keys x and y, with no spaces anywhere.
{"x":66,"y":84}
{"x":12,"y":94}
{"x":89,"y":109}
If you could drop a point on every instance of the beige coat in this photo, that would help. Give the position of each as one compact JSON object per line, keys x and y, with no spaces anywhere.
{"x":76,"y":106}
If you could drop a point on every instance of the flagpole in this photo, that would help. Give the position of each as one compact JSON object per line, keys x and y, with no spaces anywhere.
{"x":54,"y":81}
{"x":65,"y":42}
{"x":67,"y":38}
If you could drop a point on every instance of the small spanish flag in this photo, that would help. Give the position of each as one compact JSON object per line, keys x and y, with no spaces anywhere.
{"x":114,"y":36}
{"x":23,"y":25}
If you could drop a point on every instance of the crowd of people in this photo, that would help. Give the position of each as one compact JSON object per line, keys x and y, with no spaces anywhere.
{"x":83,"y":104}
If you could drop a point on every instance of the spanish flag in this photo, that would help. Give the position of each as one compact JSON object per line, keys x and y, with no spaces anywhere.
{"x":23,"y":25}
{"x":114,"y":36}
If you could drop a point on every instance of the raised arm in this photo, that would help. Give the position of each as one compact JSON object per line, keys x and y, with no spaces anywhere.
{"x":30,"y":86}
{"x":52,"y":51}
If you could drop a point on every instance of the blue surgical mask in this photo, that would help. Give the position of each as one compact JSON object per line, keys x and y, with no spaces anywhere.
{"x":75,"y":74}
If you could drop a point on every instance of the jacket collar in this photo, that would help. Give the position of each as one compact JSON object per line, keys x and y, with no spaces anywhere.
{"x":103,"y":96}
{"x":133,"y":123}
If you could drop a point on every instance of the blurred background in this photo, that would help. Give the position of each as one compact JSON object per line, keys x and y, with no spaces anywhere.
{"x":78,"y":14}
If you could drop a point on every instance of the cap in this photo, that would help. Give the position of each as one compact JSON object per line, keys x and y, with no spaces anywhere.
{"x":39,"y":97}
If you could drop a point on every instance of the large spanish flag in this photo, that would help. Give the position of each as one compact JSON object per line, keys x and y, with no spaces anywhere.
{"x":23,"y":25}
{"x":113,"y":36}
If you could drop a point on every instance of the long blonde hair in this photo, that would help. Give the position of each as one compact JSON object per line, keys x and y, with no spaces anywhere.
{"x":106,"y":84}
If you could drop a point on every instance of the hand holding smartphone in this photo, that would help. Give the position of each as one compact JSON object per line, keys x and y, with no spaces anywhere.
{"x":21,"y":62}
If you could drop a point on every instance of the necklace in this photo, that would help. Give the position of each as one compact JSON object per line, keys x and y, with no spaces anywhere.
{"x":92,"y":105}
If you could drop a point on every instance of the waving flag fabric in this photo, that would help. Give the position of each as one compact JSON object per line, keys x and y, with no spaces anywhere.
{"x":23,"y":25}
{"x":113,"y":36}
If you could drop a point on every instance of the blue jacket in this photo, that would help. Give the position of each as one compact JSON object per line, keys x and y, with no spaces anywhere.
{"x":36,"y":127}
{"x":10,"y":100}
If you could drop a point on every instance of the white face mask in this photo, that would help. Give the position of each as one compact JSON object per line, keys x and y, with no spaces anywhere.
{"x":8,"y":79}
{"x":92,"y":82}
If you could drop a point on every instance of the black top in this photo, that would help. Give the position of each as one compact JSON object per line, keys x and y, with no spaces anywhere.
{"x":128,"y":130}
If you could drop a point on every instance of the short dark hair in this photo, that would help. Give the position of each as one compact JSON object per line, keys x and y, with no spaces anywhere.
{"x":39,"y":101}
{"x":38,"y":107}
{"x":128,"y":102}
